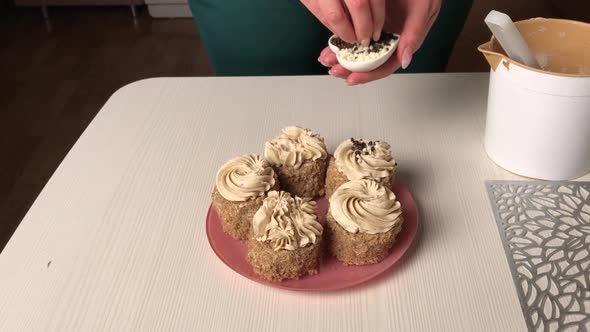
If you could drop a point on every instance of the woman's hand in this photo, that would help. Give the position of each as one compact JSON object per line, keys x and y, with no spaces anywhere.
{"x":351,"y":20}
{"x":412,"y":18}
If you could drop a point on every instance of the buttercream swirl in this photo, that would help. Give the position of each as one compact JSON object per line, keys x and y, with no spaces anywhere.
{"x":361,"y":160}
{"x":287,"y":223}
{"x":365,"y":206}
{"x":245,"y":177}
{"x":294,"y":146}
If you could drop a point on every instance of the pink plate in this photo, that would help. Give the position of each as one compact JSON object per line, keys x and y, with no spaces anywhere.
{"x":332,"y":275}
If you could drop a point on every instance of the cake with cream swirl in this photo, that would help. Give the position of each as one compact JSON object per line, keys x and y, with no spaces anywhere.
{"x":363,"y":221}
{"x":299,"y":158}
{"x":357,"y":159}
{"x":241,"y":185}
{"x":286,"y":238}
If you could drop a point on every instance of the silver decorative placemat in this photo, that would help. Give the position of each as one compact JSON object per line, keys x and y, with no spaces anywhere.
{"x":545,"y":230}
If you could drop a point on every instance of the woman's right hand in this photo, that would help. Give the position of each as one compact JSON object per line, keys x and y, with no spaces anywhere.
{"x":355,"y":21}
{"x":412,"y":19}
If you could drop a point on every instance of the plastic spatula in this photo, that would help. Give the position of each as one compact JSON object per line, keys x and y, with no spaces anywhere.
{"x":510,"y":38}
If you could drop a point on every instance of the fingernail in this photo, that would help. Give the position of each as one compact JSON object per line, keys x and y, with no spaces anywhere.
{"x":376,"y":36}
{"x":350,"y":82}
{"x":407,"y":57}
{"x":366,"y":42}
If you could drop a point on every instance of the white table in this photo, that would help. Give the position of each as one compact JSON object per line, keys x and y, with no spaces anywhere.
{"x":116,"y":240}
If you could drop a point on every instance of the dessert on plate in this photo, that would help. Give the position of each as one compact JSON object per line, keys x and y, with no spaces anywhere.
{"x":299,"y":157}
{"x":357,"y":159}
{"x":241,"y":185}
{"x":286,"y":241}
{"x":363,"y":221}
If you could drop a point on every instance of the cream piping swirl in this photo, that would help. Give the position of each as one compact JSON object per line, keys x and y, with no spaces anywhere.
{"x":365,"y":206}
{"x":245,"y":177}
{"x":360,"y":160}
{"x":287,"y":223}
{"x":294,"y":146}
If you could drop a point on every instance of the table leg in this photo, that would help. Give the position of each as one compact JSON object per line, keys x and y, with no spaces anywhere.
{"x":45,"y":13}
{"x":134,"y":16}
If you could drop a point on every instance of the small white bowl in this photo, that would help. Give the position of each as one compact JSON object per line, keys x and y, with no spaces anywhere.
{"x":363,"y":66}
{"x":333,"y":47}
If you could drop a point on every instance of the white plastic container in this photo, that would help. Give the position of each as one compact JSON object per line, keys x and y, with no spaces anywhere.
{"x":538,"y":121}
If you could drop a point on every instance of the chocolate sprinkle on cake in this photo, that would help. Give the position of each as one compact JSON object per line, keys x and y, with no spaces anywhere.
{"x":360,"y":147}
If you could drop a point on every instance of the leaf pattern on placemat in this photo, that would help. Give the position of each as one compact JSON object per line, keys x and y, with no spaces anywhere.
{"x":545,"y":227}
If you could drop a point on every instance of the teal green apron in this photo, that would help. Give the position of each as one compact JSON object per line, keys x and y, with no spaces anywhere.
{"x":280,"y":37}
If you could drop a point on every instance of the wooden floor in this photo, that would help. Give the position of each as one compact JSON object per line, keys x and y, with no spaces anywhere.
{"x":53,"y":84}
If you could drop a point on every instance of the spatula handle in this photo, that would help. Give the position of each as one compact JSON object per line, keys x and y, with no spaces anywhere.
{"x":510,"y":38}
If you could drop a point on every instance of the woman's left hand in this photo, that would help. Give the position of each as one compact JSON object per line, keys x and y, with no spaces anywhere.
{"x":413,"y":18}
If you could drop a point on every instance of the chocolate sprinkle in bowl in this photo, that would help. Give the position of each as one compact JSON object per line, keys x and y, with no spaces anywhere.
{"x":358,"y":58}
